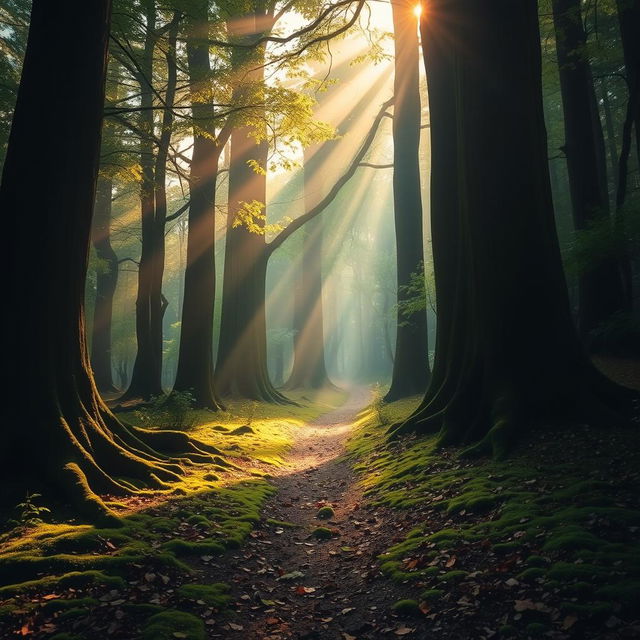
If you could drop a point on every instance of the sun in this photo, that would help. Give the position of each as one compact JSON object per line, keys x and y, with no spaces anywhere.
{"x":417,"y":10}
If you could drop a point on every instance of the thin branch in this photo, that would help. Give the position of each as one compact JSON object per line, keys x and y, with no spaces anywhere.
{"x":333,"y":192}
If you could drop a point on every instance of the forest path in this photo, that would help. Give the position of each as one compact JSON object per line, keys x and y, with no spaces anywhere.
{"x":286,"y":583}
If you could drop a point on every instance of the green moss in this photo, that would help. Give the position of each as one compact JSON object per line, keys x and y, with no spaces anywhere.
{"x":325,"y":513}
{"x":627,"y":593}
{"x":181,"y":548}
{"x":431,"y":594}
{"x":62,"y":604}
{"x":214,"y":595}
{"x":537,"y":561}
{"x":406,"y":608}
{"x":531,"y":574}
{"x":322,"y":533}
{"x":73,"y":613}
{"x":6,"y":611}
{"x":198,"y":519}
{"x":565,"y":571}
{"x":165,"y":626}
{"x":143,"y":610}
{"x":574,"y":539}
{"x":453,"y":576}
{"x":73,"y":579}
{"x":282,"y":523}
{"x":507,"y":631}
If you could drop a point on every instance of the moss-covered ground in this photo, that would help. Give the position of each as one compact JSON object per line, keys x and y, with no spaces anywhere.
{"x":546,"y":542}
{"x":63,"y":580}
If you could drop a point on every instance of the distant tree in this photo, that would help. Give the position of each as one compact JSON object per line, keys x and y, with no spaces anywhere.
{"x":106,"y":282}
{"x":601,"y":289}
{"x":507,"y":353}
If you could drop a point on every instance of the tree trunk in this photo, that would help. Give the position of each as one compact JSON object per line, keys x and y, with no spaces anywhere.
{"x":106,"y":282}
{"x":411,"y":362}
{"x":611,"y":132}
{"x":601,"y":291}
{"x":241,"y":368}
{"x":507,"y":353}
{"x":309,"y":369}
{"x":73,"y":444}
{"x":146,"y":377}
{"x":195,"y":359}
{"x":629,"y":19}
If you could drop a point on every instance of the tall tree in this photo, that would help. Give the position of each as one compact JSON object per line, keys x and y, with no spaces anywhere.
{"x":73,"y":443}
{"x":629,"y":19}
{"x":507,"y":353}
{"x":411,"y":361}
{"x":601,"y":290}
{"x":106,"y":282}
{"x":195,"y":360}
{"x":241,"y":368}
{"x":309,"y":369}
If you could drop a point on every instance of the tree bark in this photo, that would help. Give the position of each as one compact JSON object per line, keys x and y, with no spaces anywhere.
{"x":309,"y":370}
{"x":411,"y":362}
{"x":241,"y":368}
{"x":146,"y":377}
{"x":600,"y":290}
{"x":507,"y":353}
{"x":195,"y":359}
{"x":106,"y":283}
{"x":73,"y":444}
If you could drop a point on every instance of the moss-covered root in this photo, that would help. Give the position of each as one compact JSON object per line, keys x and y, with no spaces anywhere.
{"x":84,"y":501}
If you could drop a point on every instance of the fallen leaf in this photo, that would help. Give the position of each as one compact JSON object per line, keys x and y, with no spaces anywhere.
{"x":568,"y":622}
{"x":451,"y":561}
{"x":403,"y":631}
{"x":235,"y":627}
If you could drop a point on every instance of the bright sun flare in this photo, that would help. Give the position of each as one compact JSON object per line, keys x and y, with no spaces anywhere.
{"x":417,"y":10}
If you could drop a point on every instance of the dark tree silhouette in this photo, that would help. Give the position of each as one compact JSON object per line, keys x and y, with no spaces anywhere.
{"x":601,"y":291}
{"x":59,"y":432}
{"x":411,"y":361}
{"x":507,"y":353}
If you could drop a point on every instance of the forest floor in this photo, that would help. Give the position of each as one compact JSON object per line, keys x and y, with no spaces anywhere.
{"x":324,"y":530}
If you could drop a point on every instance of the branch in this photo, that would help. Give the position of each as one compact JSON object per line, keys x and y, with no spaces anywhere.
{"x":330,"y":197}
{"x":179,"y":212}
{"x":129,"y":260}
{"x":371,"y":165}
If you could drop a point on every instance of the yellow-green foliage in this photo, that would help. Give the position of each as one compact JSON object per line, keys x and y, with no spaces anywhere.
{"x":553,"y":505}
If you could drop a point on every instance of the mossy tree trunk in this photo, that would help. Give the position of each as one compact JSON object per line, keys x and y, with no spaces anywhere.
{"x":59,"y":435}
{"x":106,"y":283}
{"x":507,"y":353}
{"x":601,"y":291}
{"x":411,"y":361}
{"x":195,"y":358}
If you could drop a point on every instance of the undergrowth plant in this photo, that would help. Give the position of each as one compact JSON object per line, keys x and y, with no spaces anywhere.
{"x":168,"y":411}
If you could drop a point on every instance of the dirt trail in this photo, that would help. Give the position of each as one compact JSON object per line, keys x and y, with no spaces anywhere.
{"x":334,"y":590}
